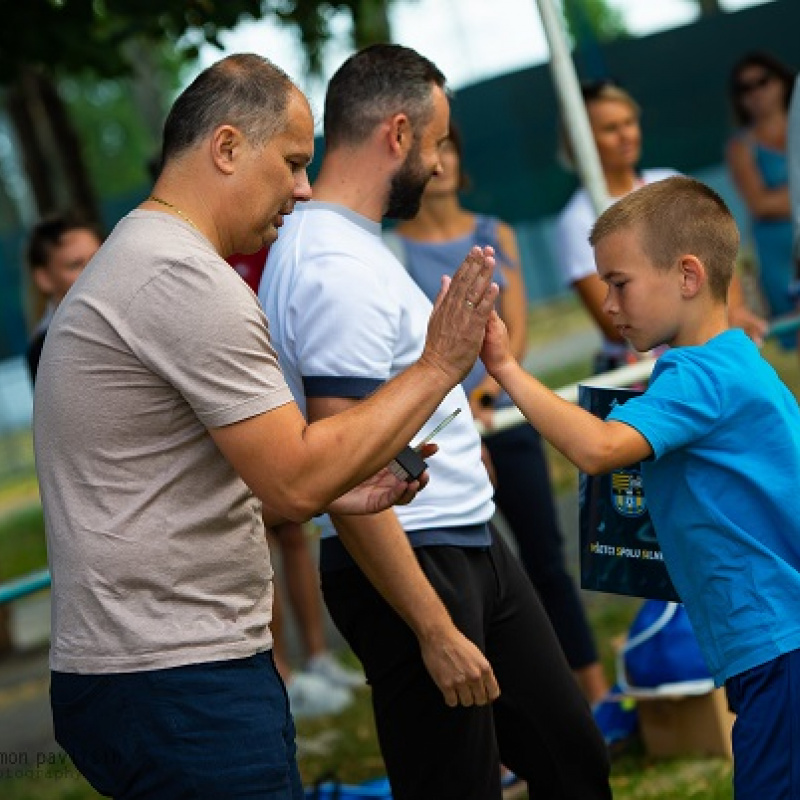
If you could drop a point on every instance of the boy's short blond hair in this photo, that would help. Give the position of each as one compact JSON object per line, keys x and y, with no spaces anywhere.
{"x":675,"y":217}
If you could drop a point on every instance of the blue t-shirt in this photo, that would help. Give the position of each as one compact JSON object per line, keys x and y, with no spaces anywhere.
{"x":722,"y":490}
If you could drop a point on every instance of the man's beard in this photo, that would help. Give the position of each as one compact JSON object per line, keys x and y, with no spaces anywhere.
{"x":408,"y":184}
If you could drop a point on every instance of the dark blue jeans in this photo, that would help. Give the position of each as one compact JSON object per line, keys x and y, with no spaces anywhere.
{"x":221,"y":729}
{"x":766,"y":734}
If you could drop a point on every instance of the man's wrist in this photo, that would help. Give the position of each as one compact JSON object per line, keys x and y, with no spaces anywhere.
{"x":434,"y":624}
{"x":443,"y":375}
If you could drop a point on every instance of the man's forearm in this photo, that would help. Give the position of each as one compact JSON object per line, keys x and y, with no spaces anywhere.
{"x":298,"y":469}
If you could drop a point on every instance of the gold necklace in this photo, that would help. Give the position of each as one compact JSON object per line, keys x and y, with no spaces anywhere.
{"x":174,"y":208}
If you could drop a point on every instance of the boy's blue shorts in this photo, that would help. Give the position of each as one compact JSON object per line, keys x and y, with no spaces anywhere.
{"x":766,"y":734}
{"x":215,"y":730}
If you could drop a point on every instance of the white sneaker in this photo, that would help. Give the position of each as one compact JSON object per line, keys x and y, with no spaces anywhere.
{"x":312,"y":696}
{"x":327,"y":667}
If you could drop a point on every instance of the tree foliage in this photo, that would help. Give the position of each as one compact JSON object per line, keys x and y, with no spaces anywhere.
{"x":69,"y":36}
{"x":596,"y":20}
{"x":53,"y":51}
{"x":118,"y":134}
{"x":593,"y":20}
{"x":312,"y":19}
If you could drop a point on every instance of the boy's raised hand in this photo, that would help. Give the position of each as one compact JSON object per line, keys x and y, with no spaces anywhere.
{"x":456,"y":326}
{"x":496,"y":350}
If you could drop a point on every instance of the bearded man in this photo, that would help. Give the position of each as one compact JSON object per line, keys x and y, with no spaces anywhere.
{"x":433,"y":603}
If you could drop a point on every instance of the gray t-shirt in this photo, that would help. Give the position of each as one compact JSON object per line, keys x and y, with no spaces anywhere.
{"x":156,"y":546}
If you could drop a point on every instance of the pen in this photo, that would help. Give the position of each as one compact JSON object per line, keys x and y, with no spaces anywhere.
{"x":446,"y":421}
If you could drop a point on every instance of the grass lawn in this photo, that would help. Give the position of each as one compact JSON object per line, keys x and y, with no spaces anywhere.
{"x":346,"y":745}
{"x":22,"y":546}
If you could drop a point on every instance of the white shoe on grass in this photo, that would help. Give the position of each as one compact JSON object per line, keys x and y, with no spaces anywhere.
{"x":312,"y":696}
{"x":327,"y":667}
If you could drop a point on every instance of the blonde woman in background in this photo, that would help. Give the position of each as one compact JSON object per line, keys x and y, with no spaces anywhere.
{"x":614,"y":117}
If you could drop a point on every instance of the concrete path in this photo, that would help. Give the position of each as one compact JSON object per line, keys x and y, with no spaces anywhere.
{"x":25,"y":723}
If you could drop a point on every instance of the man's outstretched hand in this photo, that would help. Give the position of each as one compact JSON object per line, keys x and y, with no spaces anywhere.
{"x":456,"y":326}
{"x":383,"y":490}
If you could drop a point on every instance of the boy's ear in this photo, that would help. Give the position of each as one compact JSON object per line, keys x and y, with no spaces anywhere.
{"x":693,"y":276}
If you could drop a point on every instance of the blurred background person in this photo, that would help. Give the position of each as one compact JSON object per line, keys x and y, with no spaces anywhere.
{"x":432,"y":245}
{"x":614,"y":117}
{"x":323,"y":686}
{"x":759,"y":90}
{"x":250,"y":266}
{"x":58,"y":249}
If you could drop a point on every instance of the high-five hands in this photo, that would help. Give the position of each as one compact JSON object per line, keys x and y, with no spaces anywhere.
{"x":458,"y":321}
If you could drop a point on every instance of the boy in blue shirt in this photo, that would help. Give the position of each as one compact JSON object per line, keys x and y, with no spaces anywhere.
{"x":719,"y":435}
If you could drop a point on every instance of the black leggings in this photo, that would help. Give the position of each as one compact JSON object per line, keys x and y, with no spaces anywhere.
{"x":525,"y":498}
{"x":540,"y":727}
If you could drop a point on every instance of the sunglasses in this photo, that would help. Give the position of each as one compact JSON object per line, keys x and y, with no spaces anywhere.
{"x":745,"y":87}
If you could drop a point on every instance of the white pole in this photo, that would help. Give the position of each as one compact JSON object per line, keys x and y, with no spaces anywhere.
{"x":573,"y":108}
{"x":627,"y":375}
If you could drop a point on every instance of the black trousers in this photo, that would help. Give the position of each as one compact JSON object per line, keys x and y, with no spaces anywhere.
{"x":525,"y":498}
{"x":540,"y":726}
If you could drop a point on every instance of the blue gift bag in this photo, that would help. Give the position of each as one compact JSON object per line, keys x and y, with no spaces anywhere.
{"x":619,"y":551}
{"x":375,"y":789}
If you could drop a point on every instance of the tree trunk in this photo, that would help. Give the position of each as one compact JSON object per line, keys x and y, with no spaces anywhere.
{"x":370,"y":22}
{"x":81,"y":193}
{"x":51,"y":152}
{"x":6,"y":644}
{"x":26,"y":113}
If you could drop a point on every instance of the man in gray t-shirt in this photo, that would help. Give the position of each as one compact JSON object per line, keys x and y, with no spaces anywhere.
{"x":165,"y":432}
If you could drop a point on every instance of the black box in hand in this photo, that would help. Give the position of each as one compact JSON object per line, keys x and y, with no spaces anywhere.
{"x":408,"y":465}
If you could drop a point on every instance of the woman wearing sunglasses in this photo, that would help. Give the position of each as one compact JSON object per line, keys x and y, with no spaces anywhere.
{"x":760,"y":87}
